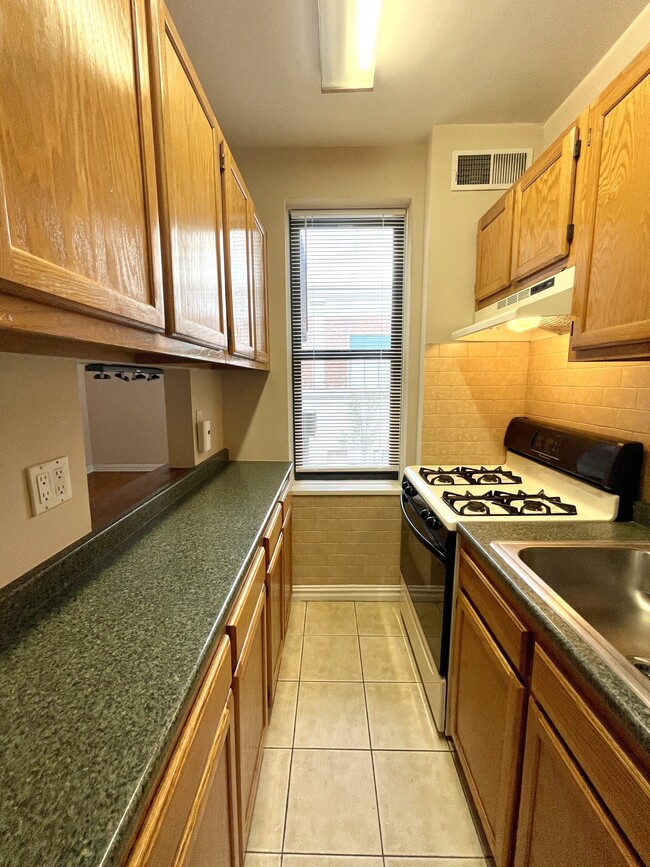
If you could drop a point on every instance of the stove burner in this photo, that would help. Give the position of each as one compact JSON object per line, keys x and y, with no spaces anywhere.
{"x":507,"y":504}
{"x":462,"y":475}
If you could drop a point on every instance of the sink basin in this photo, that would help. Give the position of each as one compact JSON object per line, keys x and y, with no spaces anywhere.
{"x":607,"y":585}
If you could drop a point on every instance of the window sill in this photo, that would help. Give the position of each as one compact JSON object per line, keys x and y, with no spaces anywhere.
{"x":342,"y":488}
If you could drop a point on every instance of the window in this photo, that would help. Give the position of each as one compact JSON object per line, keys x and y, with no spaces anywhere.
{"x":347,"y":289}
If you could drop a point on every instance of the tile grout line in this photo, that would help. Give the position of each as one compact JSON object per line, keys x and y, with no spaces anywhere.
{"x":293,"y":737}
{"x":372,"y":757}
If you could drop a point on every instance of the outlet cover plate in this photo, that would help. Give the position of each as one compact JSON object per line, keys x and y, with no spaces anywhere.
{"x":49,"y":484}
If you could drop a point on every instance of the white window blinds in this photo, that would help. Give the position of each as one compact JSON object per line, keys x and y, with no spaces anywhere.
{"x":347,"y":291}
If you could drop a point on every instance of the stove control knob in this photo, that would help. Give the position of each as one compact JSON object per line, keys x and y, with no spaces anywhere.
{"x":432,"y":521}
{"x":408,"y":489}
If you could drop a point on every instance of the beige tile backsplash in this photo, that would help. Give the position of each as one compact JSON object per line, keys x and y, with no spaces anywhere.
{"x":346,"y":540}
{"x":472,"y":390}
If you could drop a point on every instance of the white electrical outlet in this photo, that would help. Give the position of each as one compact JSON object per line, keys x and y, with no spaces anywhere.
{"x":49,"y":484}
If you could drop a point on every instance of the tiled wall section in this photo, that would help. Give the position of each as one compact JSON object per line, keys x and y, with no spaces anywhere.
{"x":471,"y":391}
{"x":611,"y":398}
{"x":346,"y":540}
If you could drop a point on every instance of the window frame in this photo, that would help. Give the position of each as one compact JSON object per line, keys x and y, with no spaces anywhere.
{"x":398,"y":364}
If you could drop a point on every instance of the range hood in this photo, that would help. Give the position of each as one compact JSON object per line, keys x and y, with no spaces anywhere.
{"x":540,"y":310}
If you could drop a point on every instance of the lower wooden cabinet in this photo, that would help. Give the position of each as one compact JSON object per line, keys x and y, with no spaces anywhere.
{"x":584,"y":794}
{"x":487,"y":721}
{"x":192,"y":820}
{"x":561,"y":821}
{"x":275,"y":614}
{"x":287,"y":563}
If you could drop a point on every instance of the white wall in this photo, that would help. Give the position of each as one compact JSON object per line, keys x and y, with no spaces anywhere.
{"x":256,"y":405}
{"x":624,"y":50}
{"x":451,"y":219}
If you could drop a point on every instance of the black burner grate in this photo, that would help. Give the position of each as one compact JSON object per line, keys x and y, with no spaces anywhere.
{"x":463,"y":475}
{"x":506,"y":503}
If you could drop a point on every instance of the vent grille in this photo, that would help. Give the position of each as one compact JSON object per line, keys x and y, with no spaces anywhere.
{"x":488,"y":170}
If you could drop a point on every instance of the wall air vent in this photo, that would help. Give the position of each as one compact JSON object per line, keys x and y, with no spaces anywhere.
{"x":488,"y":170}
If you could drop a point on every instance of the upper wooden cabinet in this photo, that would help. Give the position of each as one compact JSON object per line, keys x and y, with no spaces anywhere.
{"x":79,"y":214}
{"x":612,"y":293}
{"x":239,"y":280}
{"x":260,"y":288}
{"x":188,"y":142}
{"x":543,"y":208}
{"x":494,"y":248}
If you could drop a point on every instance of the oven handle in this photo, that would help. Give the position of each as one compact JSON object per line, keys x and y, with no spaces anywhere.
{"x":428,"y":543}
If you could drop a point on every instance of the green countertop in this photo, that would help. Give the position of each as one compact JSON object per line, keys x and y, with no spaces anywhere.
{"x":93,"y":693}
{"x":622,"y":700}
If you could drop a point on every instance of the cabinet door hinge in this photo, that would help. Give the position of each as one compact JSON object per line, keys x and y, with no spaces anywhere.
{"x":577,"y":148}
{"x":229,"y":337}
{"x":222,"y":161}
{"x":589,"y":138}
{"x":570,"y":229}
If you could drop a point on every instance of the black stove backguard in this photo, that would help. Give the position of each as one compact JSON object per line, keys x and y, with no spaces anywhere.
{"x":610,"y":464}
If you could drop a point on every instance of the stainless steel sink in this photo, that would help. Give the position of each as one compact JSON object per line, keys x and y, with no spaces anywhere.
{"x":606,"y":585}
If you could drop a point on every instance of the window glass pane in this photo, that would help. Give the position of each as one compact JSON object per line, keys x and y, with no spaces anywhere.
{"x":347,"y":277}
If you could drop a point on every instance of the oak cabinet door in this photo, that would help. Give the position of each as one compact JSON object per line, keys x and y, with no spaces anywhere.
{"x":275,"y":614}
{"x":239,"y":279}
{"x":287,"y":532}
{"x":561,"y":822}
{"x":78,"y":200}
{"x":250,"y":685}
{"x":188,"y":140}
{"x":260,"y":289}
{"x":543,"y":208}
{"x":192,"y":820}
{"x":494,"y":248}
{"x":612,"y":294}
{"x":487,"y":723}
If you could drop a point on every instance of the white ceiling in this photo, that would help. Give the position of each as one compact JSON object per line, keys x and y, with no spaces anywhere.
{"x":439,"y":61}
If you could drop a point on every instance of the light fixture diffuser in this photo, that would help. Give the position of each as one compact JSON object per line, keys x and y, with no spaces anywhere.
{"x":349,"y":35}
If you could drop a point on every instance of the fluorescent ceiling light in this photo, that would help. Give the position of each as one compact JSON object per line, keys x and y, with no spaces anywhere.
{"x":524,"y":323}
{"x":349,"y":34}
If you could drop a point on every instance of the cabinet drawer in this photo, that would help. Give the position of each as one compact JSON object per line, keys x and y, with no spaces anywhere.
{"x":286,"y":498}
{"x":509,"y":631}
{"x":242,"y":614}
{"x":624,"y":789}
{"x":171,"y":813}
{"x":272,"y":532}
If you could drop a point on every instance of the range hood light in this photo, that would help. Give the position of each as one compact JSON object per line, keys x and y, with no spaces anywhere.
{"x":349,"y":35}
{"x":524,"y":323}
{"x":125,"y":372}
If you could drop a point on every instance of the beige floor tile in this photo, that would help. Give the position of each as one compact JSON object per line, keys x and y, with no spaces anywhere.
{"x":422,"y":807}
{"x":291,"y":656}
{"x":283,"y":715}
{"x":332,"y":716}
{"x":332,"y":807}
{"x":386,"y":659}
{"x":400,"y":718}
{"x":330,"y":618}
{"x":257,"y":859}
{"x":435,"y":862}
{"x":267,"y":825}
{"x":296,"y":624}
{"x":331,"y":861}
{"x":331,"y":657}
{"x":379,"y":618}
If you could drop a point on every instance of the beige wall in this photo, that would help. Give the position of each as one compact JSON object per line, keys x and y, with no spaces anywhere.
{"x":451,"y":218}
{"x":40,"y":419}
{"x":346,"y":540}
{"x":257,"y":405}
{"x":472,"y":390}
{"x":611,"y":398}
{"x":625,"y":49}
{"x":126,"y":422}
{"x":186,"y":392}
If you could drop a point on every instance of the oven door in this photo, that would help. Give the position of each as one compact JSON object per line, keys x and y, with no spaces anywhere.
{"x":427,"y":567}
